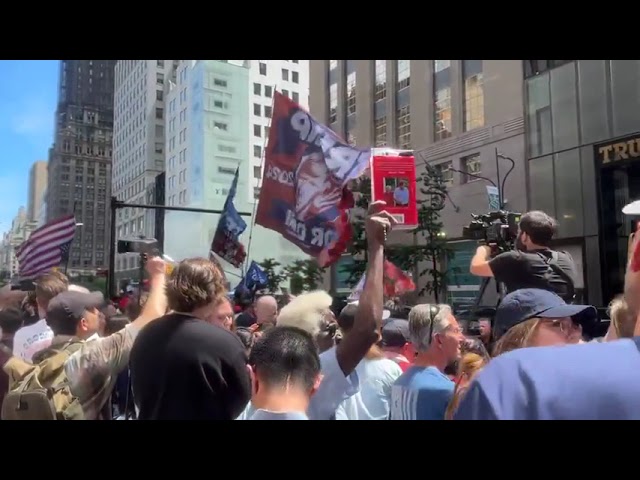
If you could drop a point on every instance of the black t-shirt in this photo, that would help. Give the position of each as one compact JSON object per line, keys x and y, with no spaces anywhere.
{"x":183,"y":368}
{"x":518,"y":270}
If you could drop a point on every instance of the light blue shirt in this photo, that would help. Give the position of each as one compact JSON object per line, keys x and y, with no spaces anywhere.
{"x":421,"y":393}
{"x":376,"y":378}
{"x":267,"y":415}
{"x":333,"y":389}
{"x":592,"y":381}
{"x":401,"y":195}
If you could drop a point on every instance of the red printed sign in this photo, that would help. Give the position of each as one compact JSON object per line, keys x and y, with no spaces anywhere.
{"x":393,"y":179}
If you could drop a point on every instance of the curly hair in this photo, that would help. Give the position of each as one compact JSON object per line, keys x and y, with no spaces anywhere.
{"x":193,"y":284}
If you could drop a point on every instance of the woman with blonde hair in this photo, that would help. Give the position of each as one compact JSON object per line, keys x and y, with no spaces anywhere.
{"x":470,"y":365}
{"x":531,"y":317}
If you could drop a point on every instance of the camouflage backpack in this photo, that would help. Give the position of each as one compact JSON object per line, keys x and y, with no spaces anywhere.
{"x":44,"y":392}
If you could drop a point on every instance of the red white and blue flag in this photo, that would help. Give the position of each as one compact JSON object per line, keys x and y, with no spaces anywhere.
{"x":304,"y":194}
{"x":47,"y":247}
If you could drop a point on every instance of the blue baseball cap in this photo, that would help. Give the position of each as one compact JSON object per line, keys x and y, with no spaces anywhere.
{"x":528,"y":303}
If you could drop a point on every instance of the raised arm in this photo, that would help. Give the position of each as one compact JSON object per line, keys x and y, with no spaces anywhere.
{"x":368,"y":317}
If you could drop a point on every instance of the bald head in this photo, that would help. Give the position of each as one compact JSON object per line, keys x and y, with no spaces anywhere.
{"x":266,"y":310}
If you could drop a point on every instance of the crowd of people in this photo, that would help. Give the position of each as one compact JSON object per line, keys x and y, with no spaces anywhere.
{"x":185,"y":350}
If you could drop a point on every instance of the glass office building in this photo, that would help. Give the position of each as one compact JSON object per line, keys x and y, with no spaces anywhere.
{"x":582,"y":121}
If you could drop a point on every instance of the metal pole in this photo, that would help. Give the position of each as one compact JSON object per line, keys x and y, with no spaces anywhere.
{"x":498,"y":177}
{"x":117,"y":204}
{"x":111,"y":284}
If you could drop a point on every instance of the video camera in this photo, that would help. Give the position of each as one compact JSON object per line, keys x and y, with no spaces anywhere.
{"x":498,"y":229}
{"x":141,"y":245}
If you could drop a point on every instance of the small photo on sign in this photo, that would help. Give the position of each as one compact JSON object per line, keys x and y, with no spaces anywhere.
{"x":396,"y":191}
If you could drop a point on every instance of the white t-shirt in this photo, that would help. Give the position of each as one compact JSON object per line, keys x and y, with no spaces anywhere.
{"x":373,"y":400}
{"x":31,"y":339}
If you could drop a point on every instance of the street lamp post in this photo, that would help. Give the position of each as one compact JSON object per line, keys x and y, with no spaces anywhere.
{"x":498,"y":185}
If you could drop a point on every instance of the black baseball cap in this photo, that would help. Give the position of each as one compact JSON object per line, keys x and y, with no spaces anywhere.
{"x":528,"y":303}
{"x":69,"y":307}
{"x":395,"y":332}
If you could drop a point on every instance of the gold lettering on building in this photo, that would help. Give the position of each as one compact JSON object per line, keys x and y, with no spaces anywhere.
{"x":619,"y":151}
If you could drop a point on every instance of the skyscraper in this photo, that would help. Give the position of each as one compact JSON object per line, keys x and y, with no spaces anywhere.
{"x":80,"y":159}
{"x":37,"y":187}
{"x":138,"y":147}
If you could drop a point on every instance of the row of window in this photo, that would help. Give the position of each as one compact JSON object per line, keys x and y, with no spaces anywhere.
{"x":473,"y":101}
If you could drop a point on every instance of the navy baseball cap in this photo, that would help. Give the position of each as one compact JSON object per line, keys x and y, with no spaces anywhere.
{"x":395,"y":332}
{"x":528,"y":303}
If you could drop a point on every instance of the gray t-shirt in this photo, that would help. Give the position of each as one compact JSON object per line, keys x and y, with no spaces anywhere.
{"x":267,"y":415}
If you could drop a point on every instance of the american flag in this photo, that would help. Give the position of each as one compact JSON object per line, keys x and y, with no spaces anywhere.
{"x":47,"y":247}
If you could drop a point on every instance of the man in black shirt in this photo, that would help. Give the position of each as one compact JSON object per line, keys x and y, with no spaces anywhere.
{"x":182,"y":366}
{"x":533,"y":264}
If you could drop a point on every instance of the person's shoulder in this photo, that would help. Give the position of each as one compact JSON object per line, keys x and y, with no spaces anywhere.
{"x":517,"y":377}
{"x":427,"y":379}
{"x":386,"y":367}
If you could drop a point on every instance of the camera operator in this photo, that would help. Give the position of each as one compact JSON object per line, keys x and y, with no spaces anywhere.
{"x":532,"y":264}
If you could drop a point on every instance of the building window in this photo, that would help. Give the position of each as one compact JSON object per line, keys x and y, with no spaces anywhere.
{"x":471,"y":164}
{"x":257,"y":89}
{"x":295,"y":77}
{"x":218,"y":82}
{"x":257,"y":172}
{"x":267,"y":112}
{"x":268,"y":91}
{"x":351,"y":138}
{"x":446,"y":172}
{"x":381,"y":80}
{"x":473,"y":106}
{"x":256,"y":130}
{"x":403,"y":132}
{"x":263,"y":69}
{"x":295,"y":96}
{"x":256,"y":109}
{"x":442,"y":99}
{"x":404,"y":73}
{"x":333,"y":102}
{"x":257,"y":151}
{"x":536,"y":67}
{"x":380,"y":127}
{"x":285,"y":74}
{"x":538,"y":111}
{"x":220,"y":126}
{"x":351,"y":93}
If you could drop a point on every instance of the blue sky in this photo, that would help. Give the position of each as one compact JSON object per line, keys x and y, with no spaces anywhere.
{"x":28,"y":96}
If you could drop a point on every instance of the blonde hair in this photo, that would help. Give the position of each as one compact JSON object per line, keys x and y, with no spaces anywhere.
{"x":518,"y":336}
{"x":470,"y":366}
{"x":306,"y":311}
{"x":622,"y":318}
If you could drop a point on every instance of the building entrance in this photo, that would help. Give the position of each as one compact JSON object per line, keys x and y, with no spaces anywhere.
{"x":619,"y":185}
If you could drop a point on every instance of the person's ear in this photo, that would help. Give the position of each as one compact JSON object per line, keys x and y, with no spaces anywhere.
{"x":316,"y":384}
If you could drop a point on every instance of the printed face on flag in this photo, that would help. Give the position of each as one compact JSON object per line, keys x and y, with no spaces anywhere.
{"x":307,"y":167}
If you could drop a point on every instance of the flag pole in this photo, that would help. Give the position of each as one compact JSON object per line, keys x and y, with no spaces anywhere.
{"x":264,"y":150}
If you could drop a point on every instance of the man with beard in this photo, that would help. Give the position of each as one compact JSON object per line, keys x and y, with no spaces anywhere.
{"x":533,"y":264}
{"x":423,"y":392}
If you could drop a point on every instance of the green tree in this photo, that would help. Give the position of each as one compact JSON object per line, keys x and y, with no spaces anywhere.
{"x":275,"y":275}
{"x":296,"y":279}
{"x":435,"y":250}
{"x":429,"y":240}
{"x":304,"y":275}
